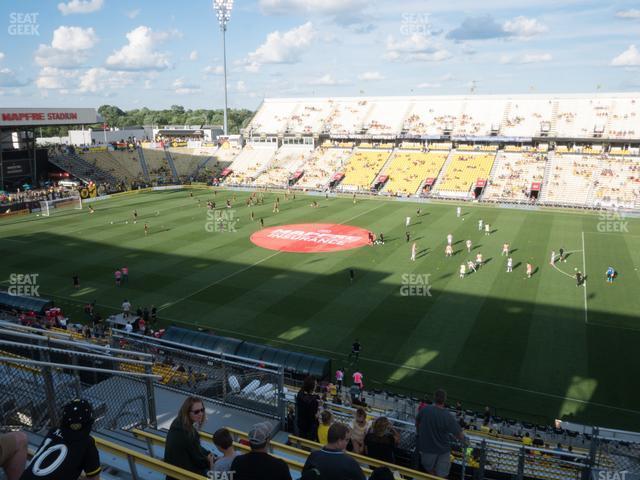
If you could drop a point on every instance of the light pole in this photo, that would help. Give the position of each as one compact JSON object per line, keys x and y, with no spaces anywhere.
{"x":223,"y":12}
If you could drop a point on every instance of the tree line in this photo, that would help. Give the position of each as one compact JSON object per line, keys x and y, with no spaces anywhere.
{"x":176,"y":115}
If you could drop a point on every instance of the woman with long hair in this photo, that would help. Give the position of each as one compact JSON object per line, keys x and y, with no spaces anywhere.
{"x":381,"y":440}
{"x":183,"y":447}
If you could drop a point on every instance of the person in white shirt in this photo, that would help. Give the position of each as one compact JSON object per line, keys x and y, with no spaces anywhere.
{"x":509,"y":265}
{"x":128,"y":327}
{"x":469,"y":246}
{"x":126,"y":308}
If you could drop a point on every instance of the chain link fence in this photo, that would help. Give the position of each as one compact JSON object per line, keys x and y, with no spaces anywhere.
{"x":252,"y":386}
{"x":39,"y":375}
{"x":614,"y":459}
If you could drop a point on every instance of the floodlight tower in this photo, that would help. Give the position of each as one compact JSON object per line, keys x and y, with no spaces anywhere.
{"x":223,"y":12}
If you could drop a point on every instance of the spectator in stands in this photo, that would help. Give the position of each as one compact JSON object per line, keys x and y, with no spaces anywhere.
{"x":13,"y":454}
{"x":435,"y":426}
{"x":359,"y":429}
{"x":326,"y":418}
{"x":73,"y":438}
{"x":307,"y":409}
{"x":183,"y":447}
{"x":381,"y":440}
{"x":331,"y":461}
{"x":258,"y":463}
{"x":223,"y":442}
{"x":381,"y":473}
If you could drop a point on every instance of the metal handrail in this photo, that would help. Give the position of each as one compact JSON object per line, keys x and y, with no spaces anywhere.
{"x":26,"y":361}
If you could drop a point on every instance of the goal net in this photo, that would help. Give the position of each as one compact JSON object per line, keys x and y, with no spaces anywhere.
{"x":58,"y":205}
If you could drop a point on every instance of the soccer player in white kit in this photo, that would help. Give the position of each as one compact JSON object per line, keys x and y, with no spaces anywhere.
{"x":471,"y":266}
{"x":462,"y":270}
{"x":529,"y":270}
{"x":478,"y":259}
{"x":553,"y":257}
{"x":509,"y":265}
{"x":407,"y":221}
{"x":505,"y":249}
{"x":479,"y":225}
{"x":487,"y":229}
{"x":413,"y":252}
{"x":458,"y":212}
{"x":449,"y":239}
{"x":448,"y":251}
{"x":469,"y":246}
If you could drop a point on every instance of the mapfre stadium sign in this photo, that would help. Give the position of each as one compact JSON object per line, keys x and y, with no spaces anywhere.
{"x":16,"y":117}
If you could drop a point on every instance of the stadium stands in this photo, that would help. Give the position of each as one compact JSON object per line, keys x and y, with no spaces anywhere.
{"x":480,"y":117}
{"x":309,"y":117}
{"x":362,"y":168}
{"x":187,"y":160}
{"x":569,"y":179}
{"x":157,"y":163}
{"x":617,"y":183}
{"x":407,"y":170}
{"x":385,"y":117}
{"x":347,"y":116}
{"x":252,"y":160}
{"x":527,"y":117}
{"x":288,"y":160}
{"x":321,"y":166}
{"x":463,"y":170}
{"x":513,"y":175}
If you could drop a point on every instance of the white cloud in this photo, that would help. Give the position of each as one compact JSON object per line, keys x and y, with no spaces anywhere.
{"x":523,"y":27}
{"x":311,"y":7}
{"x":73,"y":38}
{"x":327,"y":80}
{"x":133,"y":13}
{"x":416,"y":47}
{"x":1,"y":56}
{"x":629,"y":58}
{"x":526,"y":58}
{"x":8,"y":78}
{"x":101,"y":80}
{"x":80,"y":6}
{"x":240,"y":86}
{"x":370,"y":76}
{"x":51,"y":78}
{"x":140,"y":53}
{"x":214,"y":70}
{"x":182,"y":88}
{"x":485,"y":27}
{"x":280,"y":47}
{"x":69,"y":48}
{"x":428,"y":85}
{"x":193,"y":55}
{"x":633,"y":14}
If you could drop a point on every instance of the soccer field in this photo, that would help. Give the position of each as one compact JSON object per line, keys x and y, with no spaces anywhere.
{"x":537,"y":349}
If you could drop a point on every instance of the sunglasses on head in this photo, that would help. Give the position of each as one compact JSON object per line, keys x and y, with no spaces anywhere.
{"x":196,"y":412}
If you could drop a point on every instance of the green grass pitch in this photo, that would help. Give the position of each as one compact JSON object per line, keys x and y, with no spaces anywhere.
{"x":538,"y":349}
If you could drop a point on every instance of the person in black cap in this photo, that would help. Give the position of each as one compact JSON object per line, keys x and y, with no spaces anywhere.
{"x":258,"y":463}
{"x":69,"y":449}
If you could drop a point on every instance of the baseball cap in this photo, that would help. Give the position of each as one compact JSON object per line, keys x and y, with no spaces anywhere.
{"x":260,"y":433}
{"x":77,"y":415}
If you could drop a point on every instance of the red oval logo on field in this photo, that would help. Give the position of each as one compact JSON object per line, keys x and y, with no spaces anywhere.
{"x":311,"y":237}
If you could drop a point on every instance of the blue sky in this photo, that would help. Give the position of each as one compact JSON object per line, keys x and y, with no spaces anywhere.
{"x":85,"y":53}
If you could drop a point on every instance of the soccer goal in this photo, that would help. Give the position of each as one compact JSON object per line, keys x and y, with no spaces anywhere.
{"x":48,"y":207}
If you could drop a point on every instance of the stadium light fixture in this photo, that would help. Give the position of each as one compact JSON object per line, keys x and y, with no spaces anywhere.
{"x":223,"y":12}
